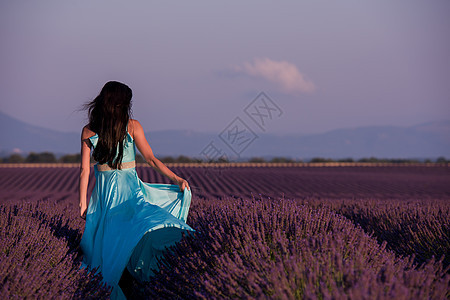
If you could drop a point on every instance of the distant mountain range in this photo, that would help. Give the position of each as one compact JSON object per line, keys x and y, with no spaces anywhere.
{"x":428,"y":140}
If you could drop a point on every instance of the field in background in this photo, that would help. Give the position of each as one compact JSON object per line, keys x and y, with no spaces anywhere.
{"x":300,"y":181}
{"x":316,"y":231}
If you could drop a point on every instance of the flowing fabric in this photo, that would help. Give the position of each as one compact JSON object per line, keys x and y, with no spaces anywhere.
{"x":129,"y":223}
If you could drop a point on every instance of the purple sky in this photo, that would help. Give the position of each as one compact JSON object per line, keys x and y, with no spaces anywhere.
{"x":197,"y":64}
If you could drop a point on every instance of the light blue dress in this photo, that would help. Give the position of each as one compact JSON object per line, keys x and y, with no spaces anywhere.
{"x":129,"y":222}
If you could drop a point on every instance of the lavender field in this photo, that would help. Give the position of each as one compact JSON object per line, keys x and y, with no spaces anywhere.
{"x":262,"y":232}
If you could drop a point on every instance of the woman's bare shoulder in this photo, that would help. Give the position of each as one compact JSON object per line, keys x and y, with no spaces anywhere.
{"x":135,"y":128}
{"x":86,"y":132}
{"x":134,"y":124}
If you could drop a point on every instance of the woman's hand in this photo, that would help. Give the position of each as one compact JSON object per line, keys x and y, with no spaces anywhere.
{"x":83,"y":210}
{"x":182,"y":183}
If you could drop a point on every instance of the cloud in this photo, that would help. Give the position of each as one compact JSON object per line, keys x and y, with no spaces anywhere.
{"x":282,"y":73}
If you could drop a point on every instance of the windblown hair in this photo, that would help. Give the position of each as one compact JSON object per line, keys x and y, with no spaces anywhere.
{"x":109,"y":114}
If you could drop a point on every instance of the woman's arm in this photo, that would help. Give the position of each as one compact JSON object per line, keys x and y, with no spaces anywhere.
{"x":84,"y":170}
{"x":146,"y":151}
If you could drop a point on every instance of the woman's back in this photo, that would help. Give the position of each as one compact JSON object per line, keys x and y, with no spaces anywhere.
{"x":129,"y":147}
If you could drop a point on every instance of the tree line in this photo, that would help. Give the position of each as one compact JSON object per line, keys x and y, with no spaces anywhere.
{"x":48,"y":157}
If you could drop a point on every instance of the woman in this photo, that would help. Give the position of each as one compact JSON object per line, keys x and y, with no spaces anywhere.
{"x":129,"y":223}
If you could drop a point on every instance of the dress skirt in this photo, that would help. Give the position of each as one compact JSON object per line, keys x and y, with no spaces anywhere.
{"x":129,"y":223}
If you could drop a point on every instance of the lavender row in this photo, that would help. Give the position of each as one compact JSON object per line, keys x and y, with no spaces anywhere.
{"x":39,"y":255}
{"x":415,"y":227}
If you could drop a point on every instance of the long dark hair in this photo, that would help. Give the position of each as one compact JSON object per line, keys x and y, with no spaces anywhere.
{"x":109,"y":114}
